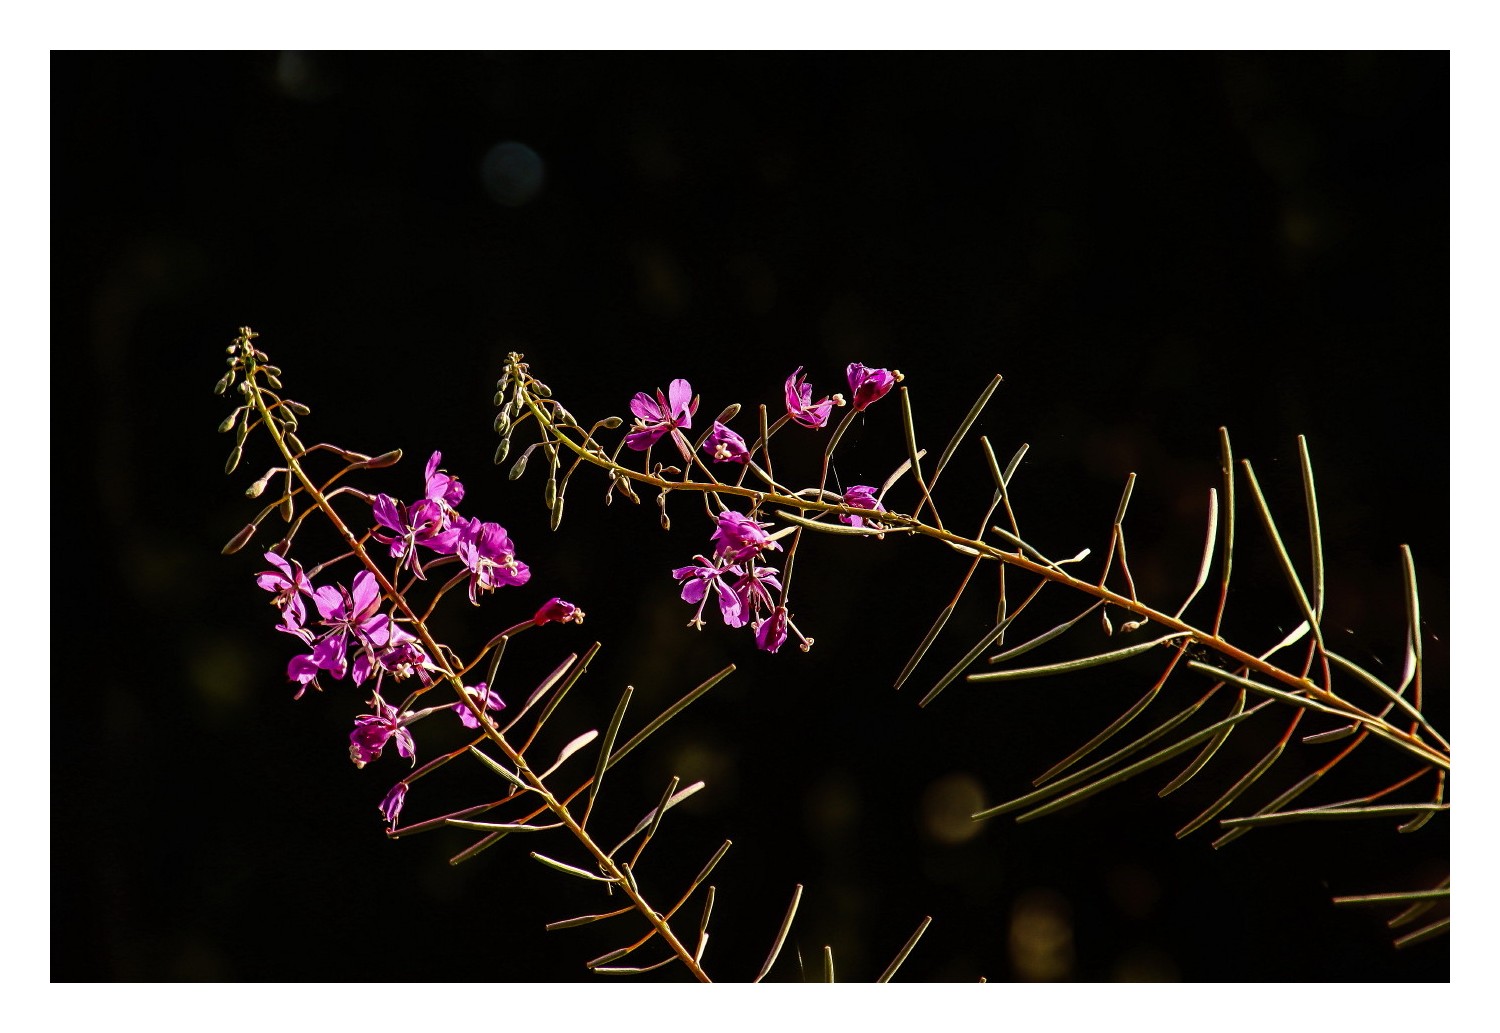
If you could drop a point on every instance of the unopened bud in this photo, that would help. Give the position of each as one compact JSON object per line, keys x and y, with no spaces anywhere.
{"x":229,"y":421}
{"x":240,"y":540}
{"x":730,"y":412}
{"x":541,"y":389}
{"x":502,"y":422}
{"x":233,"y":460}
{"x":610,"y":422}
{"x":549,"y":493}
{"x":502,"y":450}
{"x":273,"y":380}
{"x":296,"y":407}
{"x":381,"y":461}
{"x":224,"y":382}
{"x":557,"y":508}
{"x":520,"y":467}
{"x":286,"y":509}
{"x":254,"y":491}
{"x":295,"y":444}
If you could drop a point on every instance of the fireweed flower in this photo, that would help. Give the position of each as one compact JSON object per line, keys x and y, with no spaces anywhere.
{"x":725,"y":446}
{"x":558,"y":610}
{"x":422,"y":523}
{"x":484,"y":698}
{"x":801,"y":407}
{"x":490,"y":555}
{"x":870,"y":385}
{"x":752,"y":590}
{"x":397,"y":652}
{"x":696,"y":582}
{"x":390,"y":807}
{"x":442,"y":488}
{"x":373,"y":731}
{"x":770,"y":634}
{"x":290,"y":585}
{"x":304,"y":671}
{"x":660,"y":415}
{"x":863,"y":497}
{"x":352,"y":618}
{"x":739,"y":537}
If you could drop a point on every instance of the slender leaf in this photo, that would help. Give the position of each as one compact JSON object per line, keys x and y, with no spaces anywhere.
{"x":605,"y":748}
{"x":786,"y":926}
{"x":1069,"y":666}
{"x":963,"y":427}
{"x":1233,"y":793}
{"x":890,"y":970}
{"x":968,"y":658}
{"x":667,"y":715}
{"x":1043,"y":638}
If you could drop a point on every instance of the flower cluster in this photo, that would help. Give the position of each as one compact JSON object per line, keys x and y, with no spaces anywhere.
{"x":735,"y":575}
{"x":354,"y":636}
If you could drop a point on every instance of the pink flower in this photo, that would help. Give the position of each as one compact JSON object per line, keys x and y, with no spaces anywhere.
{"x":801,"y":407}
{"x":725,"y":446}
{"x":660,"y":415}
{"x":870,"y":385}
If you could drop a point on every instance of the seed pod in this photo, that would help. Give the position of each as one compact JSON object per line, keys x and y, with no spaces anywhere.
{"x":502,"y":450}
{"x":233,"y":460}
{"x":240,"y":540}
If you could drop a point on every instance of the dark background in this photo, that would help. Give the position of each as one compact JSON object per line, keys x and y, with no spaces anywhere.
{"x":1146,"y":246}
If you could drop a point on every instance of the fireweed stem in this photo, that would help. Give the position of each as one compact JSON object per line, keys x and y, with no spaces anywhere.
{"x":535,"y":783}
{"x":1300,"y":690}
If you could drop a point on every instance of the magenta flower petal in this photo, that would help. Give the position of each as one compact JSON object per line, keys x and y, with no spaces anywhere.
{"x":770,"y":635}
{"x":390,"y":806}
{"x":558,"y":610}
{"x":800,"y":406}
{"x":869,"y":385}
{"x":725,"y":446}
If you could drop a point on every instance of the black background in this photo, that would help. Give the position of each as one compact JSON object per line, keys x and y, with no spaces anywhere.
{"x":1146,"y":246}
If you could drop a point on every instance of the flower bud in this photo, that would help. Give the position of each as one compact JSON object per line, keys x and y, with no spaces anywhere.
{"x":502,"y":450}
{"x":240,"y":540}
{"x":381,"y":461}
{"x":520,"y":467}
{"x":502,"y":422}
{"x":233,"y":460}
{"x":229,"y":421}
{"x":224,"y":382}
{"x":557,"y":510}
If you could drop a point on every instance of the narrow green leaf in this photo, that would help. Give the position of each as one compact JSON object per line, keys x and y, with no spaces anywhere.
{"x":963,"y":427}
{"x":1339,"y":813}
{"x":1207,"y":753}
{"x":667,"y":715}
{"x":605,"y":748}
{"x":890,"y":970}
{"x":1043,"y":638}
{"x":1084,"y":792}
{"x":1208,"y":553}
{"x":1402,"y":897}
{"x":1314,"y":528}
{"x":651,"y":817}
{"x":1423,"y":934}
{"x":573,"y":747}
{"x":916,"y":465}
{"x":562,"y":692}
{"x":968,"y":658}
{"x":1105,"y":763}
{"x":924,"y":645}
{"x":1069,"y":666}
{"x":786,"y":926}
{"x":491,"y":826}
{"x":498,"y":768}
{"x":573,"y":923}
{"x":544,"y":687}
{"x":1389,"y":693}
{"x":1287,"y":567}
{"x":568,"y":869}
{"x":1233,"y":793}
